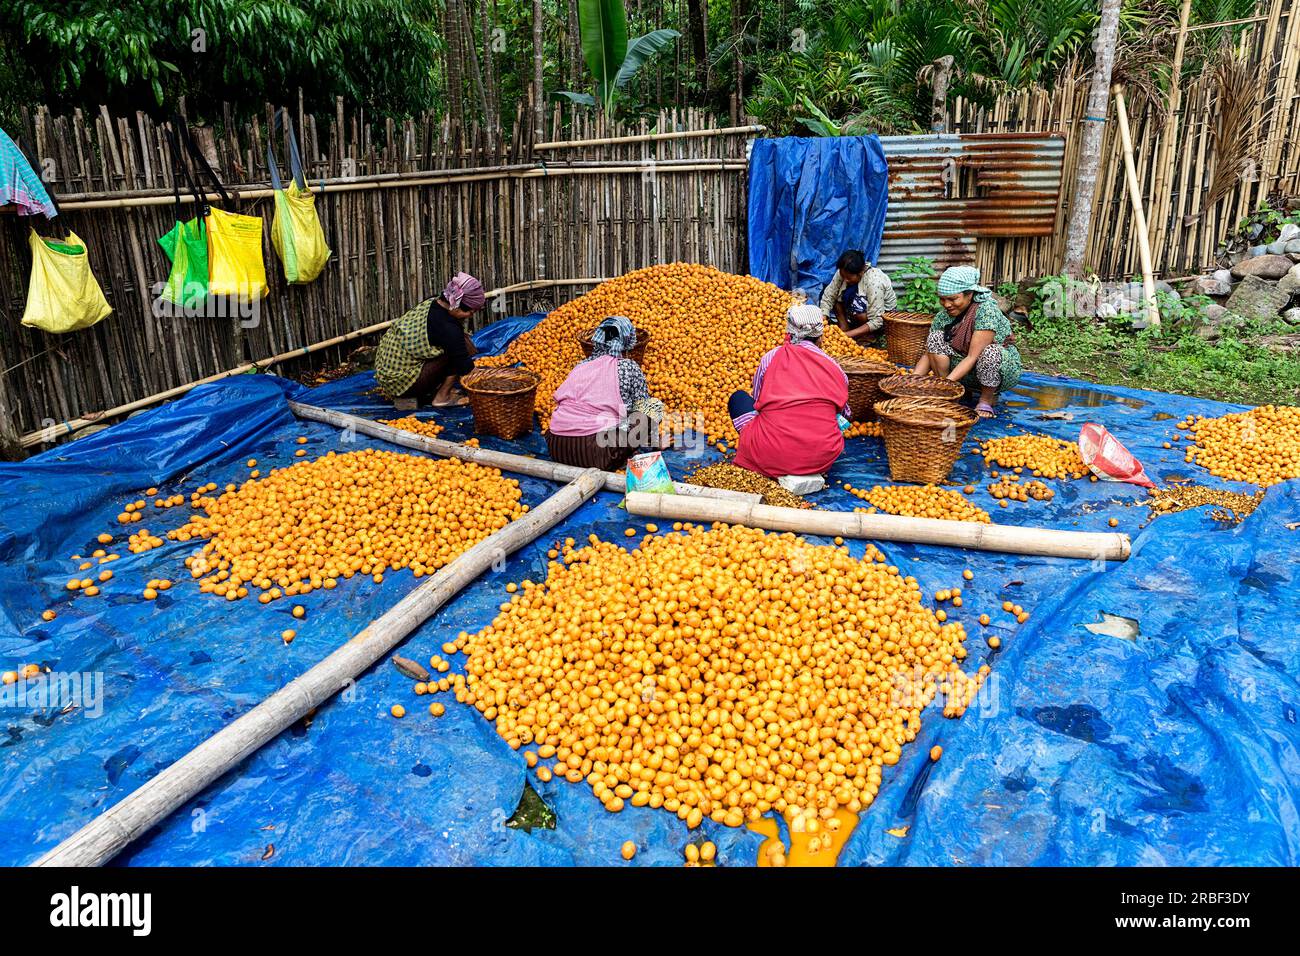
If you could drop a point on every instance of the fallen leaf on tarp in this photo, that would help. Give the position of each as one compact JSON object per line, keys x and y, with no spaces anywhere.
{"x":1059,"y":416}
{"x":269,"y":851}
{"x":1293,"y":525}
{"x":1112,"y":625}
{"x":899,"y":832}
{"x":410,"y":668}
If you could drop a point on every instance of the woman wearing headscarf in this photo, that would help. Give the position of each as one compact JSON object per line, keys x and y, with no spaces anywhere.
{"x":971,"y":338}
{"x":790,"y":424}
{"x":604,"y":412}
{"x":425,"y":352}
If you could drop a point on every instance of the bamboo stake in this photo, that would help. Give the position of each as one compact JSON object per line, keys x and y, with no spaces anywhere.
{"x":1160,"y":193}
{"x":116,"y":828}
{"x":521,"y":464}
{"x":1139,"y":217}
{"x":1009,"y":539}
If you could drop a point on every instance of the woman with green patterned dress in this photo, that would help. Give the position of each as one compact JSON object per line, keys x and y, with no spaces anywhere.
{"x":971,"y":339}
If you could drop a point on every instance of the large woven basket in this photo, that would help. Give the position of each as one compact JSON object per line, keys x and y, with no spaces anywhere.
{"x":864,"y":385}
{"x":636,"y":353}
{"x":909,"y":385}
{"x":503,"y":400}
{"x":905,"y":335}
{"x":923,"y":437}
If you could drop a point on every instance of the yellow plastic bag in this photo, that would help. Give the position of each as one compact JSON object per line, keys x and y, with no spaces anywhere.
{"x":235,"y":264}
{"x":63,"y":295}
{"x":297,"y":235}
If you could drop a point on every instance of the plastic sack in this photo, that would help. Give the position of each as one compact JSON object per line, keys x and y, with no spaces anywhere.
{"x":649,"y":472}
{"x":297,"y":235}
{"x":1108,"y":459}
{"x":296,"y":232}
{"x":186,"y":247}
{"x":62,"y":295}
{"x":235,"y":264}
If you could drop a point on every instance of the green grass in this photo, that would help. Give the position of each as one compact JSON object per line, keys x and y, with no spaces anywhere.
{"x":1236,"y":368}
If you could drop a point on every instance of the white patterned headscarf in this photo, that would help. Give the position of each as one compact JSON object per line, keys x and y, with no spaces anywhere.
{"x":804,"y":322}
{"x":963,"y":279}
{"x":614,"y":336}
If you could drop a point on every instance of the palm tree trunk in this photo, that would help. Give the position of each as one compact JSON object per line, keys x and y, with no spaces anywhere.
{"x":697,"y":17}
{"x":493,"y":107}
{"x":451,"y":30}
{"x":539,"y":98}
{"x":475,"y":70}
{"x":1079,"y":223}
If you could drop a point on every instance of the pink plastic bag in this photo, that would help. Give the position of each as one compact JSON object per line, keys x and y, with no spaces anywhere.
{"x":1108,"y":459}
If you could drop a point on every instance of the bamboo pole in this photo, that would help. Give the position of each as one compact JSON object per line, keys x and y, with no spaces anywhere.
{"x":1139,"y":216}
{"x":1165,"y":162}
{"x":1009,"y":539}
{"x":116,"y":828}
{"x":521,"y":464}
{"x":533,"y":172}
{"x":654,"y":137}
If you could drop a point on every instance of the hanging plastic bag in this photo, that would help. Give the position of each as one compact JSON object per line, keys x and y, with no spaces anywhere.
{"x":186,"y":244}
{"x":1107,"y":458}
{"x":296,"y":231}
{"x":235,"y":263}
{"x":63,"y":295}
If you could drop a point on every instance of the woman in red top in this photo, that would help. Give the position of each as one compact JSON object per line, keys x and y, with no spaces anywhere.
{"x":790,"y":424}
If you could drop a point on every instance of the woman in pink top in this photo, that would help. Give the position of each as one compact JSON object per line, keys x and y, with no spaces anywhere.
{"x":790,"y":425}
{"x":603,"y":411}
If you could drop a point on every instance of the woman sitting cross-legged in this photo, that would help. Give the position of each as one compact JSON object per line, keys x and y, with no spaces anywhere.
{"x":790,"y":424}
{"x":604,"y":412}
{"x":971,"y":339}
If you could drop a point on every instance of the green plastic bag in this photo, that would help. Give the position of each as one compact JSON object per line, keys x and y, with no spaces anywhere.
{"x":186,"y":243}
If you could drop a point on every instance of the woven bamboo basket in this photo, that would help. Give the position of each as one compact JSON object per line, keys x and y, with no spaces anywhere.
{"x":864,"y":385}
{"x":503,"y":400}
{"x":909,"y":385}
{"x":905,"y":335}
{"x":923,"y":437}
{"x":636,"y":353}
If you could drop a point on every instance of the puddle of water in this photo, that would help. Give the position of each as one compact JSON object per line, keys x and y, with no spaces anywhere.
{"x":1162,"y":416}
{"x":829,"y":842}
{"x":1053,"y":397}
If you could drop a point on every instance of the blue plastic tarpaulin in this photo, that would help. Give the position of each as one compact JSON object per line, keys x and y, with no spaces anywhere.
{"x":810,"y":199}
{"x":1174,"y":741}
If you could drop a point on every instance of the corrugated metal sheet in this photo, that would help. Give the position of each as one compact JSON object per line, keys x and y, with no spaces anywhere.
{"x":948,"y":190}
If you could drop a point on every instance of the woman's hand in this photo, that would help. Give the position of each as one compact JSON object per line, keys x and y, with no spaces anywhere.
{"x":978,"y":343}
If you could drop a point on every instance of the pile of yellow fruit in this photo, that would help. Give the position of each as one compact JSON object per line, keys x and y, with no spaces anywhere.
{"x":417,"y":426}
{"x":308,"y":525}
{"x":708,"y":329}
{"x":1010,"y":487}
{"x":720,"y":673}
{"x":1045,"y":456}
{"x":924,"y":501}
{"x":865,"y":430}
{"x":1261,"y":446}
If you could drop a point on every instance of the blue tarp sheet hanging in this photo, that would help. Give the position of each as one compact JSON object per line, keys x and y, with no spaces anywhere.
{"x":810,"y":199}
{"x":1179,"y":745}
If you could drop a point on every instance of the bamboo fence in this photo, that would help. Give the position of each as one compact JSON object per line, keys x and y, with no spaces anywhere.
{"x":403,"y":204}
{"x":540,"y":214}
{"x":1185,"y":229}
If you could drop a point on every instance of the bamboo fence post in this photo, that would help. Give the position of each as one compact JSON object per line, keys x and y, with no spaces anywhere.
{"x":117,"y":827}
{"x":1009,"y":539}
{"x":521,"y":464}
{"x":1139,"y":216}
{"x":1160,"y":193}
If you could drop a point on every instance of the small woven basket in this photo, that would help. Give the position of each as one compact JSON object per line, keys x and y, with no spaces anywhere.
{"x":905,"y":335}
{"x":923,"y":437}
{"x":909,"y":385}
{"x":502,"y":399}
{"x":864,"y":385}
{"x":636,"y":353}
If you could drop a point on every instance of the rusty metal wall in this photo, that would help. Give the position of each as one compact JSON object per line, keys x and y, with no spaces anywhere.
{"x":948,"y":192}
